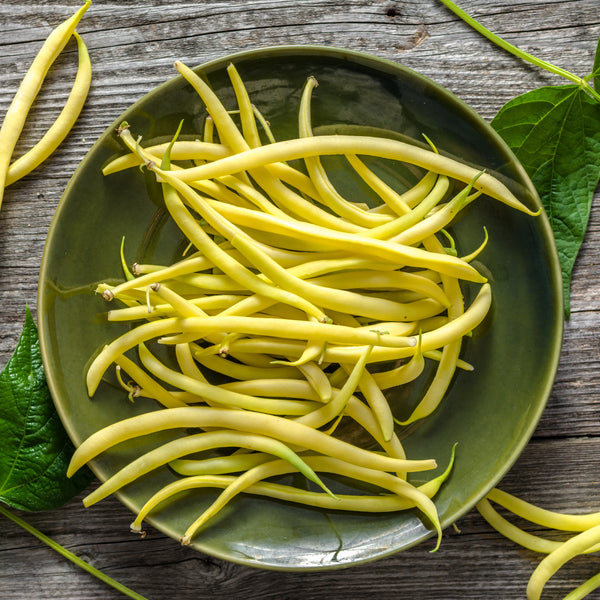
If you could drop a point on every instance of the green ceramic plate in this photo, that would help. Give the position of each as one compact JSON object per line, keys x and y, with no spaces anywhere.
{"x":490,"y":412}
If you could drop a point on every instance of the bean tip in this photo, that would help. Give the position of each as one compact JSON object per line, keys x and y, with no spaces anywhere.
{"x":137,"y":528}
{"x":122,"y":128}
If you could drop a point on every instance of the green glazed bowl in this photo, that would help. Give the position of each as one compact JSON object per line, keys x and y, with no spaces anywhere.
{"x":490,"y":412}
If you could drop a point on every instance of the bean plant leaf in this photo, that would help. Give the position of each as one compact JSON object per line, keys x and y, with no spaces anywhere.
{"x":555,"y":133}
{"x":34,"y":447}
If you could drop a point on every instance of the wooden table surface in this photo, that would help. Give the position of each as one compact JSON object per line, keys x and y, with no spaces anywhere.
{"x":133,"y":46}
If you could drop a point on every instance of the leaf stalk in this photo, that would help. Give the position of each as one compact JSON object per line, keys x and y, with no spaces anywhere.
{"x":69,"y":555}
{"x":583,"y":83}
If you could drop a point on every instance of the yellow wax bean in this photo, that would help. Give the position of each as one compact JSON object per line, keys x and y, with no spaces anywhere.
{"x":209,"y":129}
{"x":189,"y":265}
{"x":237,"y":370}
{"x":228,"y":131}
{"x":473,"y":255}
{"x":435,"y":222}
{"x":249,"y":192}
{"x":336,"y":299}
{"x":232,"y":137}
{"x":63,"y":124}
{"x":181,"y":150}
{"x":578,"y":544}
{"x":231,"y":463}
{"x":431,"y":340}
{"x":363,"y":415}
{"x":275,"y":387}
{"x":514,"y":533}
{"x":248,"y":306}
{"x":349,"y":502}
{"x":183,"y":307}
{"x":355,"y":409}
{"x":187,"y":364}
{"x":354,"y":244}
{"x":460,"y":364}
{"x":384,"y":480}
{"x":333,"y":408}
{"x":291,"y":259}
{"x":398,"y":203}
{"x":208,"y":303}
{"x":303,"y":330}
{"x":450,"y":353}
{"x":361,"y":145}
{"x":317,"y":379}
{"x":543,"y":517}
{"x":366,"y":503}
{"x":263,"y":123}
{"x":205,"y":244}
{"x":197,"y":150}
{"x":584,"y":589}
{"x":147,"y":383}
{"x":403,"y":374}
{"x":333,"y":262}
{"x":518,"y":535}
{"x":313,"y":351}
{"x":247,"y":115}
{"x":190,"y":444}
{"x":125,"y":342}
{"x":295,"y":178}
{"x":391,"y":230}
{"x":218,"y":395}
{"x":279,"y":428}
{"x":385,"y":280}
{"x":216,"y":189}
{"x":17,"y":112}
{"x":327,"y":192}
{"x":377,"y":401}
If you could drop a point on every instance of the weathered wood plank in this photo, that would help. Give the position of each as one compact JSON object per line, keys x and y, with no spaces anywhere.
{"x":133,"y":46}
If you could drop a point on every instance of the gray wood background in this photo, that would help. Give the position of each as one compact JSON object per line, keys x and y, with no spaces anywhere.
{"x":133,"y":46}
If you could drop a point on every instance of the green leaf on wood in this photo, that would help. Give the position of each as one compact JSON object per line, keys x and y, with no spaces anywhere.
{"x":34,"y":448}
{"x":555,"y":133}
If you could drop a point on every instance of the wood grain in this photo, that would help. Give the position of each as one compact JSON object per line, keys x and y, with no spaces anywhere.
{"x":133,"y":46}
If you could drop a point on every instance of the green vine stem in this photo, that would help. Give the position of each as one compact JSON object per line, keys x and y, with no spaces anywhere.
{"x":582,"y":82}
{"x":69,"y":555}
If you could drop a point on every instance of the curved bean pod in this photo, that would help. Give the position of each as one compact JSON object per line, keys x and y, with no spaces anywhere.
{"x":198,"y":443}
{"x":63,"y":123}
{"x":543,"y":517}
{"x":357,"y":245}
{"x":14,"y":118}
{"x":328,"y":195}
{"x":568,"y":550}
{"x":218,"y":395}
{"x":272,"y":426}
{"x":352,"y":144}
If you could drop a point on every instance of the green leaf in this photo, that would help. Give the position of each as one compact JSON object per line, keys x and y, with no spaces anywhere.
{"x":555,"y":133}
{"x":34,"y":447}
